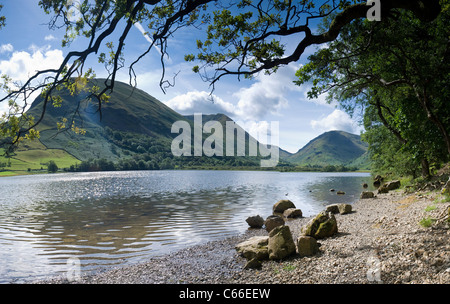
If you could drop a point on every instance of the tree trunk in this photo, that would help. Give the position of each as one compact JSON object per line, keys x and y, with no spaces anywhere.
{"x":432,"y":117}
{"x":425,"y":168}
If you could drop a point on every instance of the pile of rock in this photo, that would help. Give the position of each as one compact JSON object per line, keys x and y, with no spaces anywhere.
{"x":280,"y":244}
{"x":282,"y":209}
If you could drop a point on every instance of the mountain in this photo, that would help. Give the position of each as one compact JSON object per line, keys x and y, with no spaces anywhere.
{"x":332,"y":148}
{"x":129,"y":110}
{"x":135,"y":130}
{"x":135,"y":133}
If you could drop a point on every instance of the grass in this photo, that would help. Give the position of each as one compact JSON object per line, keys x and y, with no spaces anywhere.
{"x":427,"y":222}
{"x":33,"y":156}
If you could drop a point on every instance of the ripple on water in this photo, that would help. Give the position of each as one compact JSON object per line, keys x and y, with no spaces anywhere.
{"x":112,"y":218}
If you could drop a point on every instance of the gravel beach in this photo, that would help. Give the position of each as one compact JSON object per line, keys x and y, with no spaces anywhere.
{"x":381,"y":241}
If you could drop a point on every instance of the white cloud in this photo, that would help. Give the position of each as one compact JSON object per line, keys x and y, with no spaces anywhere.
{"x":49,"y":37}
{"x":146,"y":36}
{"x":22,"y":65}
{"x":6,"y":48}
{"x":268,"y":95}
{"x":200,"y":102}
{"x":337,"y":120}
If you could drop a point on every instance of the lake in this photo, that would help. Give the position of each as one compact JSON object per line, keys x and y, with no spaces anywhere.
{"x":115,"y":218}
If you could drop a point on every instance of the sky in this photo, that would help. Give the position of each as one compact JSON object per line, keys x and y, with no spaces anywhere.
{"x":27,"y":44}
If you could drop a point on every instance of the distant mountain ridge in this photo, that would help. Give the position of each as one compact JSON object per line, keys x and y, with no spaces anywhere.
{"x":135,"y":123}
{"x":332,"y":148}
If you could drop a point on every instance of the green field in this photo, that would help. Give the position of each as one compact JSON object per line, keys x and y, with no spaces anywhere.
{"x":32,"y":157}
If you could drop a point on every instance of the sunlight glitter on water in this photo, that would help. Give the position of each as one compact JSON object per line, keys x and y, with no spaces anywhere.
{"x":111,"y":218}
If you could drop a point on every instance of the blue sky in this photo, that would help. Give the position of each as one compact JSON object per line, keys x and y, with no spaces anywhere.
{"x":27,"y":45}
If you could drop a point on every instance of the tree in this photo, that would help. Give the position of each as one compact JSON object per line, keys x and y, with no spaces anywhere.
{"x":243,"y":38}
{"x":52,"y":167}
{"x":397,"y":73}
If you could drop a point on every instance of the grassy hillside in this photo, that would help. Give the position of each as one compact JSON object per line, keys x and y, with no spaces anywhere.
{"x":134,"y":133}
{"x":129,"y":110}
{"x":33,"y":156}
{"x":331,"y":148}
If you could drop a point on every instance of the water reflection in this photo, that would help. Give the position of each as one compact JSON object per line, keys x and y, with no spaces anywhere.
{"x":111,"y":218}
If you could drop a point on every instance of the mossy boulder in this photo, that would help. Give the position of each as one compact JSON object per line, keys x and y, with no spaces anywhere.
{"x":281,"y":243}
{"x":321,"y":226}
{"x":254,"y":248}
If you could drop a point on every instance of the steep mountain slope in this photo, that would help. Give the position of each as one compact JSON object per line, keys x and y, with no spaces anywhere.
{"x":331,"y":148}
{"x":129,"y":110}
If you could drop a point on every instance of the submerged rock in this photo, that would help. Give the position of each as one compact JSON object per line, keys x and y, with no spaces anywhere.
{"x":281,"y":244}
{"x":321,"y":226}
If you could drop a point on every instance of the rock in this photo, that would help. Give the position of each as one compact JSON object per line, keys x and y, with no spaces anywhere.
{"x":282,"y":205}
{"x":365,"y":185}
{"x":292,"y":213}
{"x":281,"y":244}
{"x":339,"y":208}
{"x":340,"y":192}
{"x":273,"y":221}
{"x":254,"y":248}
{"x":345,"y":208}
{"x":382,"y":190}
{"x":253,"y":264}
{"x":307,"y":246}
{"x":255,"y":221}
{"x":392,"y":185}
{"x":367,"y":194}
{"x":333,"y":208}
{"x":377,"y":180}
{"x":321,"y":226}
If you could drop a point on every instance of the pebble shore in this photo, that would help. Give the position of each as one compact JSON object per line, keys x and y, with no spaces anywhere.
{"x":381,"y":241}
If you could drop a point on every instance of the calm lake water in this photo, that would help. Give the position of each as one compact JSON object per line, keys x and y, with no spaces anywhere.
{"x":113,"y":218}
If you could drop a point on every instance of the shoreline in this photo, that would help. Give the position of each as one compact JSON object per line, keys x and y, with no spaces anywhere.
{"x":381,"y":241}
{"x":12,"y":173}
